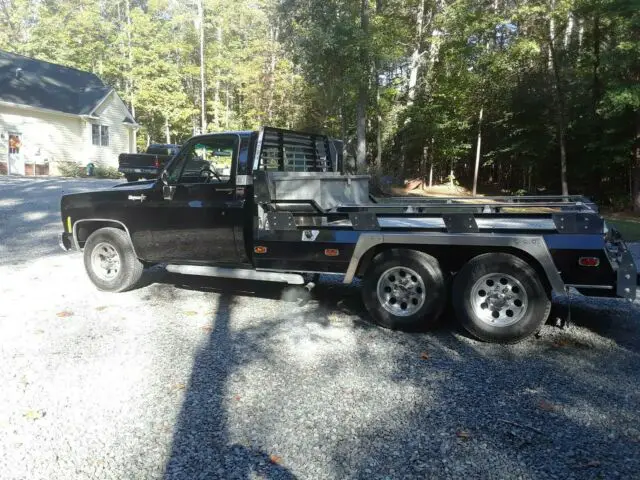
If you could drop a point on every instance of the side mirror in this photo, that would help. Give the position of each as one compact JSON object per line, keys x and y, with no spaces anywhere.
{"x":168,"y":191}
{"x":164,"y":177}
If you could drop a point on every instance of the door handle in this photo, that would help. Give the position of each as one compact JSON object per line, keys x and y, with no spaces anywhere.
{"x":140,"y":197}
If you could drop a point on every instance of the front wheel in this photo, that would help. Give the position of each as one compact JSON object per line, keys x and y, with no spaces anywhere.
{"x":499,"y":298}
{"x":110,"y":260}
{"x":404,"y":289}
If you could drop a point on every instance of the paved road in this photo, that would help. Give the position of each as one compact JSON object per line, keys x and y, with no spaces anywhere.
{"x":195,"y":378}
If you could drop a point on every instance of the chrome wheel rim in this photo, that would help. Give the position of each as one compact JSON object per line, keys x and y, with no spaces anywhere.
{"x":499,"y":299}
{"x":105,"y":261}
{"x":401,"y":291}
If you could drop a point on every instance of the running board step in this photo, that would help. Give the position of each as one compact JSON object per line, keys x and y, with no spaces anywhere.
{"x":239,"y":273}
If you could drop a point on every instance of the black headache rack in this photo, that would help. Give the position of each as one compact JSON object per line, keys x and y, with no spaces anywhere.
{"x":289,"y":151}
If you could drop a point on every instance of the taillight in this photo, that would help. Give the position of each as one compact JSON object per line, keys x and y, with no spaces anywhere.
{"x":588,"y":261}
{"x":157,"y":163}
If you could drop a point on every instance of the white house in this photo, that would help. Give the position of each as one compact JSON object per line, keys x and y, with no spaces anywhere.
{"x":51,"y":114}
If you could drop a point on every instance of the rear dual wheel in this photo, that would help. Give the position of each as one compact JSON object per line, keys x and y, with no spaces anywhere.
{"x":404,"y":289}
{"x":499,"y":298}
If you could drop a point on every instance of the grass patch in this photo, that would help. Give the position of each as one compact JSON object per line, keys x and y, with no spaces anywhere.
{"x":629,"y":228}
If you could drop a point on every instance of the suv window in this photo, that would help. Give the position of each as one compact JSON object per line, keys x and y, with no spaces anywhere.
{"x":207,"y":160}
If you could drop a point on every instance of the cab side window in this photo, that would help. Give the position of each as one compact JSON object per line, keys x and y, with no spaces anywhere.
{"x":206,"y":161}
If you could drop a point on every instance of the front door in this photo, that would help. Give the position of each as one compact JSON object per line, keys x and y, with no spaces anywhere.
{"x":16,"y":160}
{"x":197,"y":224}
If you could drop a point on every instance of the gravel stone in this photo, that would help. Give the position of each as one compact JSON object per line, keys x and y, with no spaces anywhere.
{"x":188,"y":378}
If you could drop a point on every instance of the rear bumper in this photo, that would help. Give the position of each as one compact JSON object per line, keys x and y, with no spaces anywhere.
{"x":139,"y":171}
{"x":65,"y":240}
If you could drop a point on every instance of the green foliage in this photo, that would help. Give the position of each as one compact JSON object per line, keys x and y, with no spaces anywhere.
{"x":76,"y":170}
{"x":107,"y":172}
{"x":535,"y":68}
{"x":71,"y":169}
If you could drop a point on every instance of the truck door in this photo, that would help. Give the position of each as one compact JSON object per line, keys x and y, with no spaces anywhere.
{"x":197,"y":223}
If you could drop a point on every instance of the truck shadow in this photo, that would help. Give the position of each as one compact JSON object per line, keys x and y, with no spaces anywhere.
{"x":533,"y":413}
{"x":201,"y":445}
{"x":602,"y":316}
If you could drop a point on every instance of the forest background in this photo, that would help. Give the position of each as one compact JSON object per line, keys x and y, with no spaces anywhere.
{"x":544,"y":94}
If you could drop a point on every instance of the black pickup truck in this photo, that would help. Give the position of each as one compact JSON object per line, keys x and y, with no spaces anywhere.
{"x":270,"y":205}
{"x":148,"y":165}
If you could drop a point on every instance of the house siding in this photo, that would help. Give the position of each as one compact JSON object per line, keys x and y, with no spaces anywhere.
{"x":50,"y":137}
{"x":111,"y":113}
{"x":45,"y":137}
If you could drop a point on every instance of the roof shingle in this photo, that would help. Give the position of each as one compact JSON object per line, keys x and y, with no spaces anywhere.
{"x":35,"y":83}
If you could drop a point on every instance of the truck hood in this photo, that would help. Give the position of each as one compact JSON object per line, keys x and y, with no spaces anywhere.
{"x":100,"y":201}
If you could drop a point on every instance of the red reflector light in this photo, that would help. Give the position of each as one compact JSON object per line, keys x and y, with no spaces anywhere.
{"x":331,"y":252}
{"x":260,"y":250}
{"x":588,"y":261}
{"x":157,"y":163}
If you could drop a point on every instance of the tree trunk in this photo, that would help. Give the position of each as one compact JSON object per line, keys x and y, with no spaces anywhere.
{"x":216,"y":93}
{"x":167,"y":131}
{"x":203,"y":111}
{"x":343,"y":136}
{"x":596,"y":65}
{"x":560,"y":109}
{"x":363,"y":93}
{"x":451,"y":175}
{"x":568,"y":31}
{"x":431,"y":174}
{"x":273,"y":61}
{"x":636,"y":166}
{"x":130,"y":81}
{"x":478,"y":147}
{"x":226,"y":110}
{"x":416,"y":55}
{"x":378,"y":119}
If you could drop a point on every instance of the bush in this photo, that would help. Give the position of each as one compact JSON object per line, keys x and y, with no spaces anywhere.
{"x":107,"y":172}
{"x":71,"y":169}
{"x":76,"y":170}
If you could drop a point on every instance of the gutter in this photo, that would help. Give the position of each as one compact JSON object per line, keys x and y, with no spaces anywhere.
{"x":38,"y":109}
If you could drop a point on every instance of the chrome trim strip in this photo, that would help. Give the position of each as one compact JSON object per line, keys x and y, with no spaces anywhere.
{"x":238,"y":273}
{"x":256,"y":158}
{"x":298,"y":271}
{"x":530,"y":244}
{"x":244,"y":180}
{"x":598,"y":287}
{"x":438,"y":222}
{"x":75,"y":236}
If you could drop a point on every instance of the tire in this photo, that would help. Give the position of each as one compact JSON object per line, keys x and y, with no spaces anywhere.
{"x":110,"y":260}
{"x":495,"y":311}
{"x":131,"y":178}
{"x":418,"y":281}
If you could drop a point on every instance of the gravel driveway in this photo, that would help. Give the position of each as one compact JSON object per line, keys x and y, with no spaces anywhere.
{"x":196,"y":378}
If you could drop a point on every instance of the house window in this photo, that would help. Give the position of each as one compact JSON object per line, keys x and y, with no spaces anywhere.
{"x":95,"y":134}
{"x":104,"y":135}
{"x":100,"y":135}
